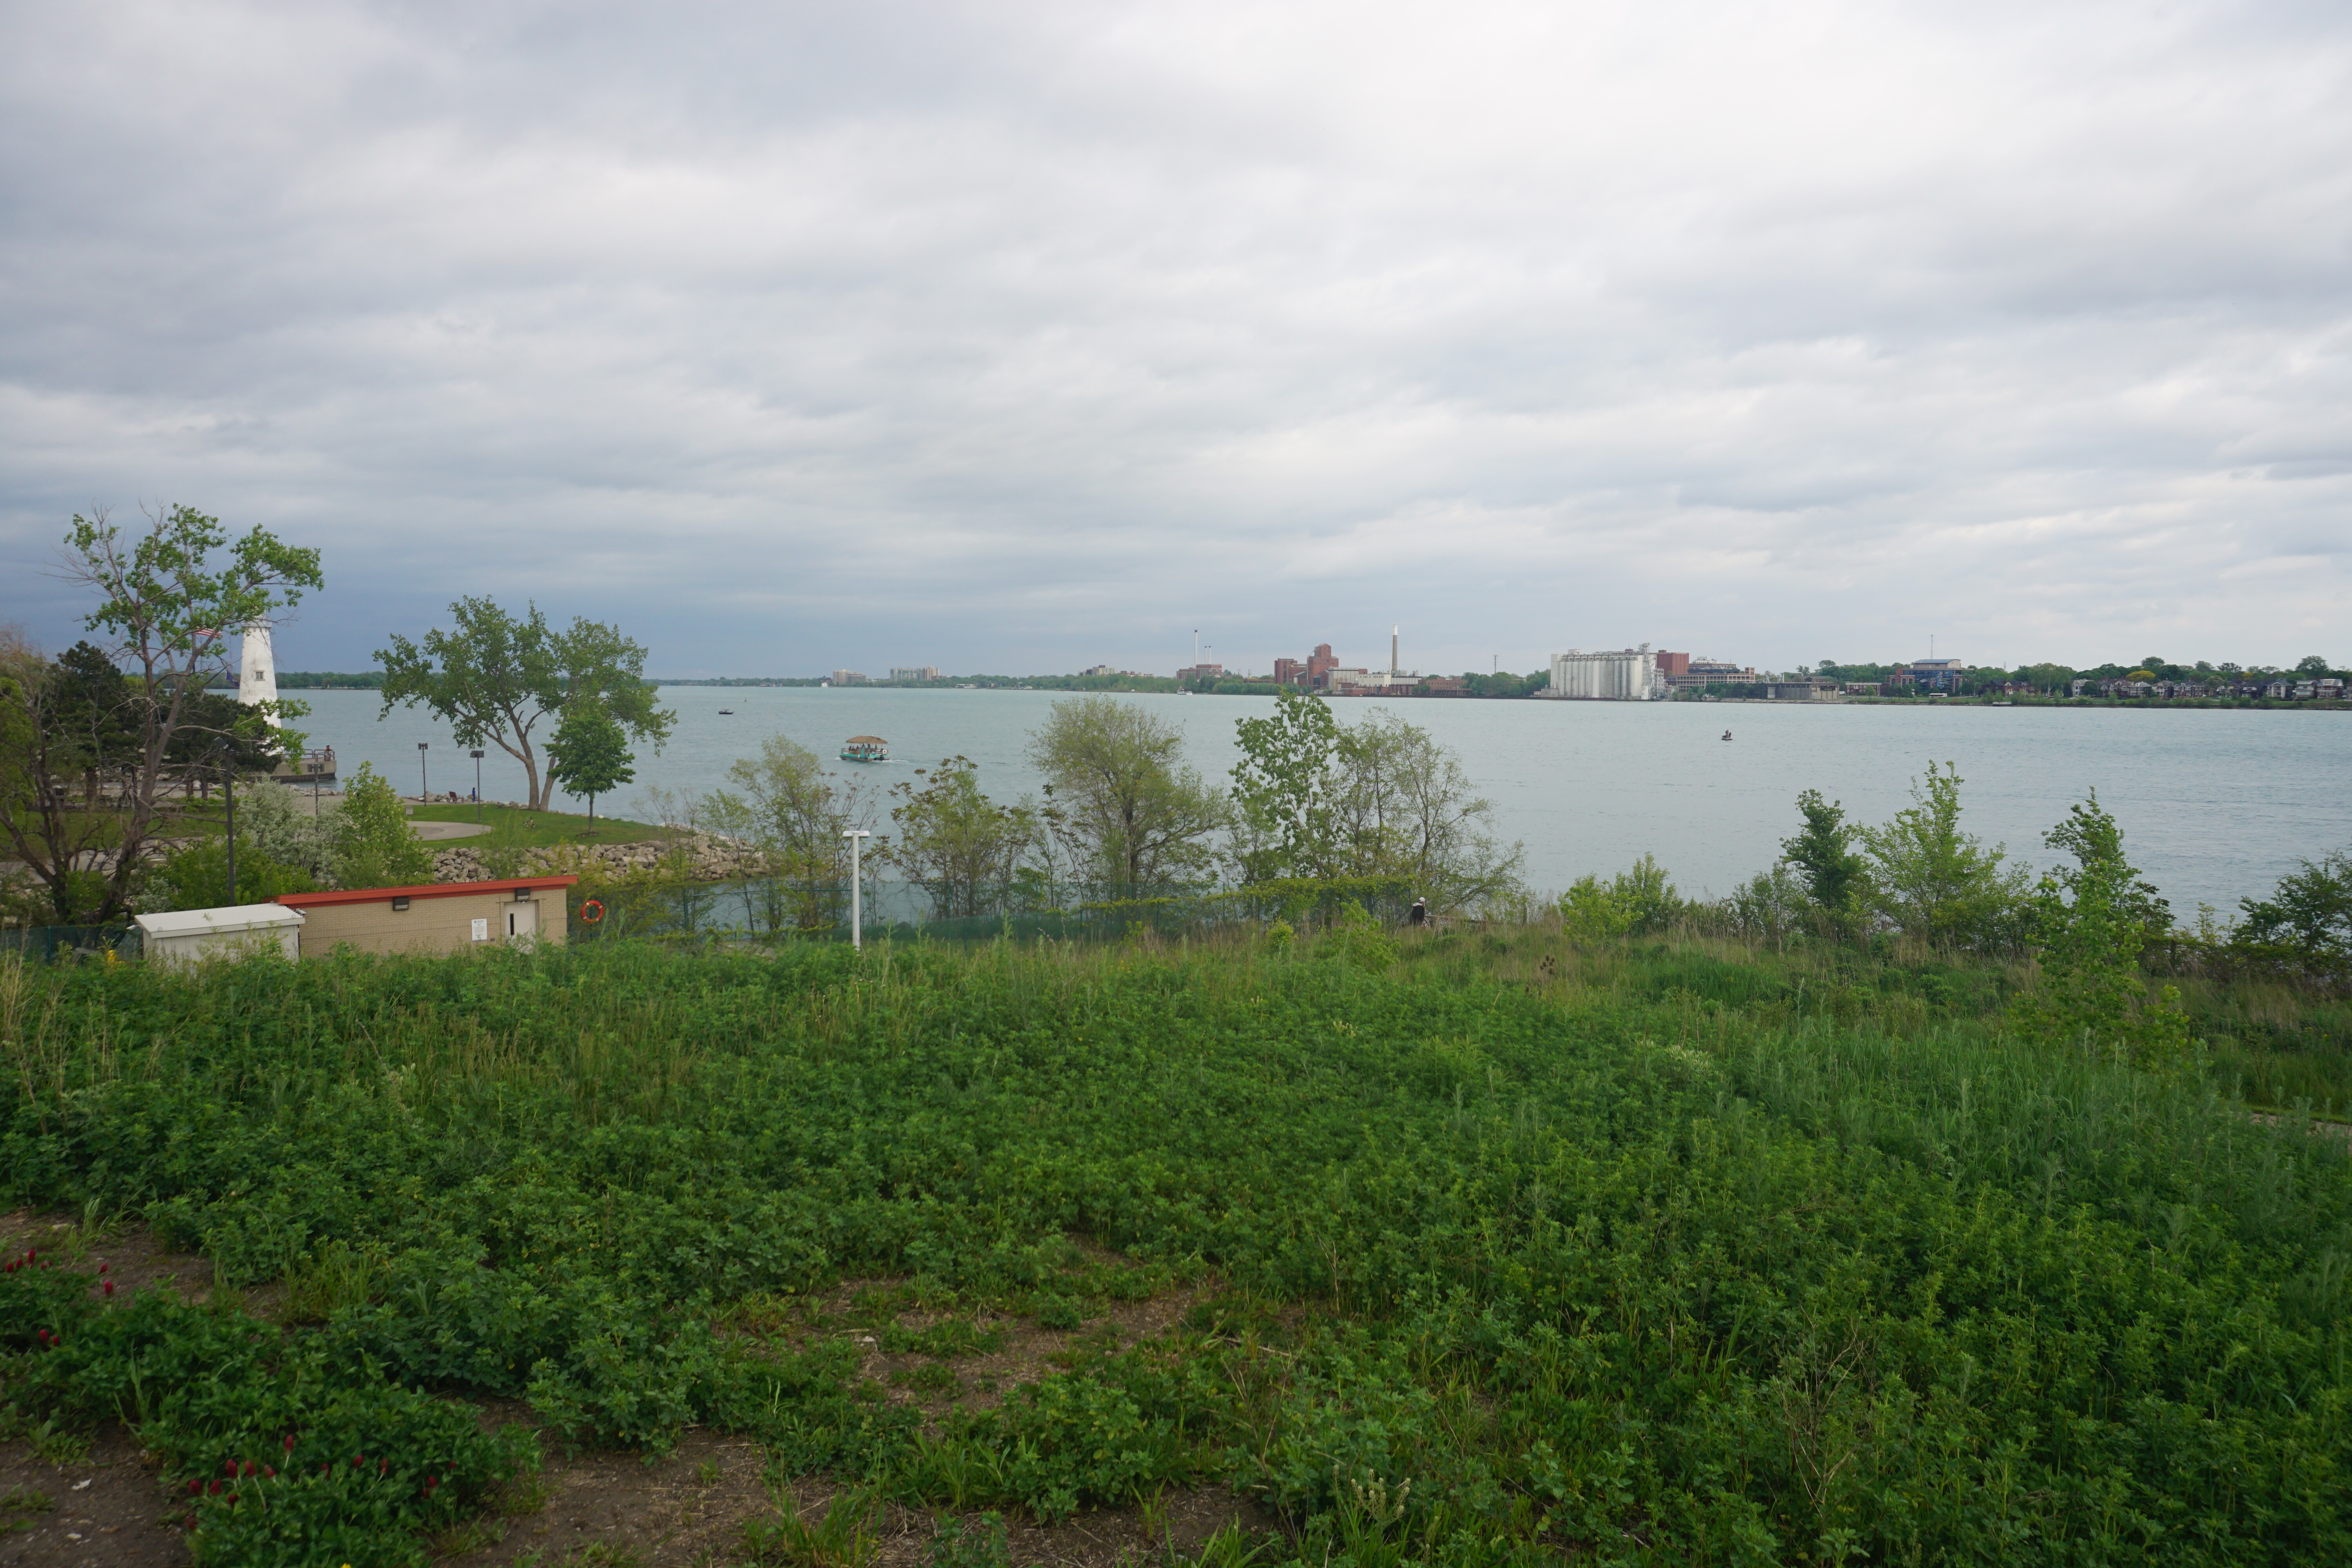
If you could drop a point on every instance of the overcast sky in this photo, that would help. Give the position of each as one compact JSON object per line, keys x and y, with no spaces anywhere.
{"x":1014,"y":337}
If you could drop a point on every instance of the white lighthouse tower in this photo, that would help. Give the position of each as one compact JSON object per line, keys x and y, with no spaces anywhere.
{"x":256,"y":668}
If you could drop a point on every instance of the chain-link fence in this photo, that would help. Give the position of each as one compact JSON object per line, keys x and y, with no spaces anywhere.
{"x":760,"y":910}
{"x":47,"y":945}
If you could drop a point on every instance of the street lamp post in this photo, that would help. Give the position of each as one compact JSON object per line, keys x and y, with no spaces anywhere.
{"x":856,"y":837}
{"x":422,"y":792}
{"x":477,"y":785}
{"x":229,"y":800}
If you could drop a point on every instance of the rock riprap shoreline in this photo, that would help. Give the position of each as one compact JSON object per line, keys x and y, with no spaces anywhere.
{"x":708,"y":860}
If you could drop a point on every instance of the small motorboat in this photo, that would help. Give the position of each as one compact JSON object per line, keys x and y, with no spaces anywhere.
{"x":866,"y":749}
{"x":729,"y":712}
{"x":1727,"y":734}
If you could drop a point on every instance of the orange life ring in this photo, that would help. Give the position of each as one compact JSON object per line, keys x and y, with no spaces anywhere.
{"x":591,"y":912}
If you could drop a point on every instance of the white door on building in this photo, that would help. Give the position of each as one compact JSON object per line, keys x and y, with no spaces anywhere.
{"x":522,"y":921}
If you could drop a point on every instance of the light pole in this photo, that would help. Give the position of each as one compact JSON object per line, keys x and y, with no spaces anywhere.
{"x":477,"y":785}
{"x":422,"y":793}
{"x":228,"y":801}
{"x":856,"y":837}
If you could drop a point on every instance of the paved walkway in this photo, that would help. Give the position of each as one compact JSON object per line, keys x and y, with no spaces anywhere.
{"x":433,"y":832}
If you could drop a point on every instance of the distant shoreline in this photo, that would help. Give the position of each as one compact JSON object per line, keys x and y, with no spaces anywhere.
{"x":306,"y":680}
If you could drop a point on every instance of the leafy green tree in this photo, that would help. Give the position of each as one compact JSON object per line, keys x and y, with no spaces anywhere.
{"x":196,"y":878}
{"x":2309,"y":916}
{"x":2311,"y":666}
{"x":786,"y":804}
{"x":1403,"y":806}
{"x":94,"y":714}
{"x":1824,"y":857}
{"x":495,"y":678}
{"x":1379,"y":798}
{"x":2091,"y":835}
{"x":1285,"y":824}
{"x":957,"y":844}
{"x":1128,"y":808}
{"x":2090,"y":922}
{"x":1937,"y":884}
{"x":374,"y":846}
{"x":589,"y":754}
{"x":168,"y":599}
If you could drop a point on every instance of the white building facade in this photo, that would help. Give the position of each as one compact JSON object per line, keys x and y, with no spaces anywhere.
{"x":1623,"y":675}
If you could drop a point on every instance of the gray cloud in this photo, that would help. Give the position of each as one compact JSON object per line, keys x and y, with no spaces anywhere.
{"x":1014,"y":337}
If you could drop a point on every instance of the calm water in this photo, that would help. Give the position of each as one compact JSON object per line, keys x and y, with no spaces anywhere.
{"x":2215,"y":805}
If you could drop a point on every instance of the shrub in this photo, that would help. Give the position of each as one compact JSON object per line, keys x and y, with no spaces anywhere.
{"x":196,"y":878}
{"x":1638,"y":901}
{"x":1938,"y":885}
{"x":374,"y":846}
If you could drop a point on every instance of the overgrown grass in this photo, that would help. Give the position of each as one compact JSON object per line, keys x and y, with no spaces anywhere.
{"x":1506,"y":1247}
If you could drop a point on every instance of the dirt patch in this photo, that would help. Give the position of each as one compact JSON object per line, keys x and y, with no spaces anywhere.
{"x":1025,"y":1353}
{"x":614,"y":1509}
{"x":102,"y":1510}
{"x":2339,"y":1131}
{"x":1180,"y":1522}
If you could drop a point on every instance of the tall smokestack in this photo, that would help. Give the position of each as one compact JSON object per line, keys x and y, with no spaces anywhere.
{"x":1392,"y":652}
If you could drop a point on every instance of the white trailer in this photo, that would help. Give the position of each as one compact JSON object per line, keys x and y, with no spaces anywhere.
{"x":233,"y":930}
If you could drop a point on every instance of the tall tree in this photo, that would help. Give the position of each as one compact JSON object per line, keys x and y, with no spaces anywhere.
{"x":1403,"y":807}
{"x":785,"y":804}
{"x":1285,"y":824}
{"x":169,"y":597}
{"x":1131,"y":812}
{"x":495,"y":678}
{"x":589,"y":754}
{"x":956,"y":844}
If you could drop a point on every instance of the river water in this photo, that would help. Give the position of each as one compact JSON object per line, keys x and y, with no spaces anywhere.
{"x":2215,"y":805}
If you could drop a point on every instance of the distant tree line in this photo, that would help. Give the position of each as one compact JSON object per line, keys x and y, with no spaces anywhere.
{"x":2057,"y":680}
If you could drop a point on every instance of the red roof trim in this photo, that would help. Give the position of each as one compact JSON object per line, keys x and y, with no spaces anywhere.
{"x":433,"y":890}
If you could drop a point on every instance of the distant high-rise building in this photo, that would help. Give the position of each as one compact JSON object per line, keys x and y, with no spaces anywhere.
{"x":848,"y":677}
{"x":908,"y":675}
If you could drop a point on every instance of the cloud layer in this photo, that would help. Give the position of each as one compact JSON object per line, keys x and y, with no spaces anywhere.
{"x":1020,"y":337}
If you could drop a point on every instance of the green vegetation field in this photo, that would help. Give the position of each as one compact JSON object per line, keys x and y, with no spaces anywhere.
{"x":1493,"y":1248}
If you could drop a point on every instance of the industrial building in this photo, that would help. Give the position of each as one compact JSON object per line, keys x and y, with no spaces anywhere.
{"x":1623,"y":675}
{"x":440,"y":917}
